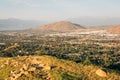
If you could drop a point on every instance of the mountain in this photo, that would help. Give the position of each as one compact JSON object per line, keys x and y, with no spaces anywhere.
{"x":115,"y":29}
{"x":60,"y":26}
{"x":18,"y":24}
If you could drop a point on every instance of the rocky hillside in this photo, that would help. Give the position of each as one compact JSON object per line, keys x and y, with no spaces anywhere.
{"x":60,"y":26}
{"x":51,"y":68}
{"x":115,"y":29}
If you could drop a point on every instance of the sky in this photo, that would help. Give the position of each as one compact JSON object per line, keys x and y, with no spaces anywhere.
{"x":58,"y":9}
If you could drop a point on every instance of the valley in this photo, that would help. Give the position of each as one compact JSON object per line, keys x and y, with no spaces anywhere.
{"x":59,"y":40}
{"x":78,"y":54}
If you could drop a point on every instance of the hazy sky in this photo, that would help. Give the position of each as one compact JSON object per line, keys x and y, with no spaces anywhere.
{"x":58,"y":9}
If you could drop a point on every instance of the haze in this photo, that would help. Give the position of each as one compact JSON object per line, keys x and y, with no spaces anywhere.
{"x":58,"y":9}
{"x":83,"y":12}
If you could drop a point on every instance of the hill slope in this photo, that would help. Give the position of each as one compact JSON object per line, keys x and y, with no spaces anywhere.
{"x":60,"y":26}
{"x":115,"y":29}
{"x":48,"y":68}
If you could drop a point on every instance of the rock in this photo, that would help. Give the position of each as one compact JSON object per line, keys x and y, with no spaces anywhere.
{"x":25,"y":73}
{"x":35,"y":61}
{"x":25,"y":67}
{"x":11,"y":78}
{"x":15,"y":63}
{"x":101,"y":73}
{"x":7,"y":62}
{"x":21,"y":69}
{"x":32,"y":69}
{"x":41,"y":65}
{"x":11,"y":72}
{"x":2,"y":66}
{"x":47,"y":68}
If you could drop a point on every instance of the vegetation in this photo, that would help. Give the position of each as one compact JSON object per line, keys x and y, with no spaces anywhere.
{"x":61,"y":70}
{"x":79,"y":56}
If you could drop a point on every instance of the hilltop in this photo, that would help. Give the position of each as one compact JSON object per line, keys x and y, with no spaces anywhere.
{"x":60,"y":26}
{"x":49,"y":68}
{"x":115,"y":29}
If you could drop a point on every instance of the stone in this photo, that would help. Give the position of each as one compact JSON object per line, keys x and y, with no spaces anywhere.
{"x":21,"y":69}
{"x":101,"y":73}
{"x":32,"y":69}
{"x":34,"y":61}
{"x":41,"y":65}
{"x":2,"y":66}
{"x":47,"y":68}
{"x":25,"y":73}
{"x":7,"y":62}
{"x":11,"y":72}
{"x":25,"y":67}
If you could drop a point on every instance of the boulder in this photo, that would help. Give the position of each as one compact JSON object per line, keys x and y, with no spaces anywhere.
{"x":101,"y":73}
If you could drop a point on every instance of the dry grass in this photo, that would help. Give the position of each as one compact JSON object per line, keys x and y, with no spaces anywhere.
{"x":81,"y":70}
{"x":61,"y":70}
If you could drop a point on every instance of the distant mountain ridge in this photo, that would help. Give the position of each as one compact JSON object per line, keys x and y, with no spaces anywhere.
{"x":18,"y":24}
{"x":60,"y":26}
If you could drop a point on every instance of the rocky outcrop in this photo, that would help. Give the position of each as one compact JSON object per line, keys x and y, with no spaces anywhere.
{"x":30,"y":64}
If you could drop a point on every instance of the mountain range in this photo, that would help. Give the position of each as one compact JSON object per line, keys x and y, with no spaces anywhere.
{"x":18,"y":24}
